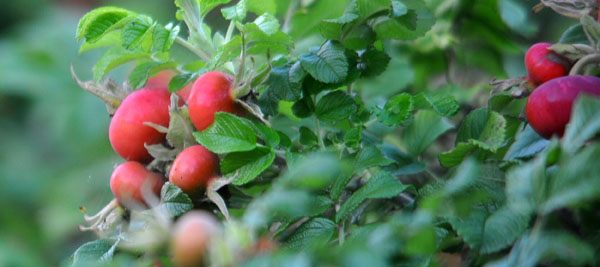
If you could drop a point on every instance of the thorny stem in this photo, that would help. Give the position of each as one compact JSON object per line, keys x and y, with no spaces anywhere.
{"x":581,"y":63}
{"x":190,"y":47}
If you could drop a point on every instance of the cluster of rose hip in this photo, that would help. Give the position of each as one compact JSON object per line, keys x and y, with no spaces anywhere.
{"x":549,"y":106}
{"x":131,"y":130}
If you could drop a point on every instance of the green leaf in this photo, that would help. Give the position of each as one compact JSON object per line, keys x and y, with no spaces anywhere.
{"x":270,"y":136}
{"x":584,"y":123}
{"x":368,"y":157}
{"x":236,"y":12}
{"x":380,"y":185}
{"x":181,"y":80}
{"x":267,"y":23}
{"x":427,"y":127}
{"x":548,"y":248}
{"x":100,"y":21}
{"x":409,"y":26}
{"x":329,"y":64}
{"x":135,"y":31}
{"x":140,"y":74}
{"x":480,"y":130}
{"x":591,"y":27}
{"x":164,"y":37}
{"x":527,"y":144}
{"x":260,"y":7}
{"x":174,"y":200}
{"x":398,"y":110}
{"x":335,"y":106}
{"x":501,"y":229}
{"x":98,"y":251}
{"x":208,"y":5}
{"x":113,"y":58}
{"x":373,"y":62}
{"x":526,"y":184}
{"x":110,"y":39}
{"x":259,"y":42}
{"x":307,"y":137}
{"x":227,"y":134}
{"x":248,"y":164}
{"x":284,"y":83}
{"x":313,"y":172}
{"x":576,"y":181}
{"x":574,"y":35}
{"x":443,"y":104}
{"x":313,"y":232}
{"x":227,"y":52}
{"x":181,"y":130}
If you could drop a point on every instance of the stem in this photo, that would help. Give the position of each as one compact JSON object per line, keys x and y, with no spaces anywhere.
{"x":321,"y":144}
{"x":350,"y":88}
{"x":229,"y":31}
{"x":190,"y":47}
{"x":341,"y":234}
{"x":578,"y":67}
{"x":288,"y":15}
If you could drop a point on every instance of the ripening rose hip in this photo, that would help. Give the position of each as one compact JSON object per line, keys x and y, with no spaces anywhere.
{"x":129,"y":180}
{"x":543,"y":64}
{"x":193,"y":169}
{"x":191,"y":236}
{"x":162,"y":79}
{"x":127,"y":132}
{"x":549,"y":106}
{"x":211,"y":93}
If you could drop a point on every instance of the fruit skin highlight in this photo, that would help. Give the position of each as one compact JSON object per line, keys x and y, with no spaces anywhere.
{"x":211,"y":93}
{"x":129,"y":180}
{"x":191,"y":237}
{"x":127,"y":132}
{"x":549,"y":106}
{"x":193,"y":169}
{"x":544,"y":64}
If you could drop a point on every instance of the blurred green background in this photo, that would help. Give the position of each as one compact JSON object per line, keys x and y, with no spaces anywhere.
{"x":55,"y":155}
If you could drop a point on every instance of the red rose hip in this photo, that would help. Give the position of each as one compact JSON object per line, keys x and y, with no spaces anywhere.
{"x":162,"y":79}
{"x":549,"y":106}
{"x":127,"y":132}
{"x":130,"y":179}
{"x":211,"y":93}
{"x":191,"y":237}
{"x":543,"y":64}
{"x":193,"y":169}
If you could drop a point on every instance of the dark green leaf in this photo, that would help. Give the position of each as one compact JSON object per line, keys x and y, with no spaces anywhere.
{"x":181,"y":80}
{"x":527,"y":144}
{"x":398,"y":110}
{"x":373,"y":62}
{"x":307,"y":137}
{"x":427,"y":127}
{"x":444,"y":104}
{"x":329,"y":64}
{"x":140,"y":74}
{"x":380,"y":185}
{"x":584,"y":123}
{"x":335,"y":106}
{"x":411,"y":25}
{"x":247,"y":165}
{"x":95,"y":252}
{"x":174,"y":201}
{"x":313,"y":232}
